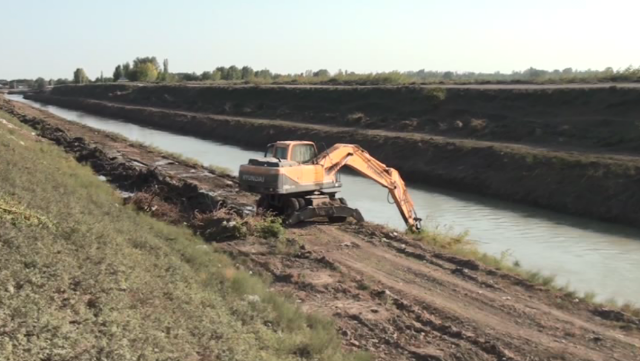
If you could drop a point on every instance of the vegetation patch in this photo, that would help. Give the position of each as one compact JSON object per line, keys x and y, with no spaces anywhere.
{"x":458,"y":244}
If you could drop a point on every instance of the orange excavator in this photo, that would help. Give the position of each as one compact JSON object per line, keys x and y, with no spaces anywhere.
{"x":295,"y":181}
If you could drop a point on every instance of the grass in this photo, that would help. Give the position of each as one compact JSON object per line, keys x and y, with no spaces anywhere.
{"x":460,"y":245}
{"x":84,"y":277}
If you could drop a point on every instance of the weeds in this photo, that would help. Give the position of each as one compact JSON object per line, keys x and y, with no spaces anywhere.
{"x":458,"y":244}
{"x":287,"y":246}
{"x":269,"y":227}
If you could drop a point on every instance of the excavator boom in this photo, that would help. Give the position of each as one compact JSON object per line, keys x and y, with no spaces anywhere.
{"x":361,"y":161}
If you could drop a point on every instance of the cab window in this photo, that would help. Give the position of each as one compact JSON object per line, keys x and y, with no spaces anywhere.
{"x":281,"y":153}
{"x":303,"y":153}
{"x":269,"y":151}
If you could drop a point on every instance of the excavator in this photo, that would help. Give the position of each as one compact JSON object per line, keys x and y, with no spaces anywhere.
{"x":295,"y":181}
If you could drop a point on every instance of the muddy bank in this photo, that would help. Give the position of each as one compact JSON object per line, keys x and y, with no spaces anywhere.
{"x":591,"y":185}
{"x":145,"y":170}
{"x":602,"y":118}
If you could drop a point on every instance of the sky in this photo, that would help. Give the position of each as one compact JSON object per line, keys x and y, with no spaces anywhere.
{"x":52,"y":38}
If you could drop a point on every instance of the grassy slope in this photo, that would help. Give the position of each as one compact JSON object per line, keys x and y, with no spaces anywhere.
{"x":83,"y":277}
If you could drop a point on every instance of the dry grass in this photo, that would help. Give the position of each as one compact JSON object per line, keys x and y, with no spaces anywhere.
{"x":460,"y":245}
{"x":108,"y":282}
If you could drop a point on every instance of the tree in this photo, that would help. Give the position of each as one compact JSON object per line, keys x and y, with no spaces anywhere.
{"x":118,"y":73}
{"x":137,"y":62}
{"x":126,"y":70}
{"x":80,"y":77}
{"x":233,"y":73}
{"x":322,"y":73}
{"x":165,"y":66}
{"x":144,"y":69}
{"x":223,"y":72}
{"x":216,"y":75}
{"x":146,"y":72}
{"x":264,"y":74}
{"x":206,"y":76}
{"x":40,"y":84}
{"x":246,"y":72}
{"x":448,"y":75}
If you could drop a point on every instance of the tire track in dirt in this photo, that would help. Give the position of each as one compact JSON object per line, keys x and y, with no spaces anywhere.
{"x":498,"y":319}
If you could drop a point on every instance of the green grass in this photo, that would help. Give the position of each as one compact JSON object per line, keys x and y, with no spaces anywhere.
{"x":84,"y":277}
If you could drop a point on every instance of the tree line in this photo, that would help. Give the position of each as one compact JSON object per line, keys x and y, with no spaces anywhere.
{"x":148,"y":69}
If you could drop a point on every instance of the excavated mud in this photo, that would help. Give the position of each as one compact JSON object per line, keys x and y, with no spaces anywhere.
{"x":601,"y":186}
{"x":387,"y":293}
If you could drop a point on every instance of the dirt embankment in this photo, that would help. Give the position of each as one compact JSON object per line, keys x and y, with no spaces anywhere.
{"x":594,"y":185}
{"x":602,"y":118}
{"x":388,"y":294}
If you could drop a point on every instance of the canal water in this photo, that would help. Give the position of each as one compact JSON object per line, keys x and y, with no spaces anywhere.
{"x":589,"y":255}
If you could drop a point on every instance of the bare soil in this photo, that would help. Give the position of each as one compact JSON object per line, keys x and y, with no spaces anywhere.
{"x":387,"y":293}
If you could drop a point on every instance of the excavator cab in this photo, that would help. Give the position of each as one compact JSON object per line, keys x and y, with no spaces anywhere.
{"x":292,"y":179}
{"x":296,"y":151}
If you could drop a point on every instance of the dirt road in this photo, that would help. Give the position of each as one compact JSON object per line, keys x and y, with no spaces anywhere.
{"x":388,"y":293}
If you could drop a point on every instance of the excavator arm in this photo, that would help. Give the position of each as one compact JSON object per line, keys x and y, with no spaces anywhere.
{"x":358,"y":159}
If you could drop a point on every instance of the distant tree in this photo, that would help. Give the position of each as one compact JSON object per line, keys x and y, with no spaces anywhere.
{"x":233,"y":73}
{"x":246,"y":73}
{"x":147,"y":60}
{"x":144,"y":69}
{"x":448,"y":75}
{"x":165,"y":66}
{"x":567,"y":71}
{"x":206,"y":76}
{"x":118,"y":73}
{"x":40,"y":84}
{"x":80,"y":77}
{"x":263,"y":74}
{"x":146,"y":72}
{"x":216,"y":75}
{"x":126,"y":70}
{"x":322,"y":73}
{"x":50,"y":82}
{"x":166,"y":77}
{"x":61,"y":81}
{"x":223,"y":72}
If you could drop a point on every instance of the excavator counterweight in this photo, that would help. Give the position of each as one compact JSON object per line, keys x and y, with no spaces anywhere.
{"x":297,"y":182}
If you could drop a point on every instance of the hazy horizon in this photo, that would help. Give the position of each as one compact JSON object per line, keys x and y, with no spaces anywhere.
{"x":52,"y":39}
